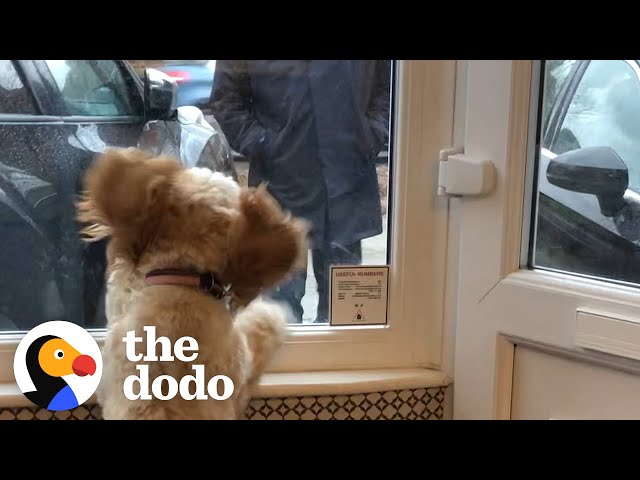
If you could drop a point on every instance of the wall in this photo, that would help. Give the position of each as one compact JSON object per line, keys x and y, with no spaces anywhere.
{"x":409,"y":404}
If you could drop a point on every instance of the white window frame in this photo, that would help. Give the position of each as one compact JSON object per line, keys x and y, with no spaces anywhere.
{"x":423,"y":124}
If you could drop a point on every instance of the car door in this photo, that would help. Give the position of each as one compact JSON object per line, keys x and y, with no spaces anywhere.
{"x":28,"y":202}
{"x":79,"y":108}
{"x":100,"y":105}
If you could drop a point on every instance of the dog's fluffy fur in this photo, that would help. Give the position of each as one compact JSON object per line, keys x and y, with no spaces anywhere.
{"x":157,"y":214}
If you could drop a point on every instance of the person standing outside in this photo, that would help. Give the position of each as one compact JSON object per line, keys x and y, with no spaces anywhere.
{"x":311,"y":130}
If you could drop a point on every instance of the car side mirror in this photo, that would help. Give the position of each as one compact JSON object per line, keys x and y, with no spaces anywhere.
{"x":596,"y":170}
{"x":160,"y":95}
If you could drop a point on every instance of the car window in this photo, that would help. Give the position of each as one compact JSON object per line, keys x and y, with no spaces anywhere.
{"x":94,"y":88}
{"x":604,"y":112}
{"x":14,"y":96}
{"x":555,"y":74}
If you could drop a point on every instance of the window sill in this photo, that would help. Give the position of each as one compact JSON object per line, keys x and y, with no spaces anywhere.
{"x":347,"y":382}
{"x":300,"y":384}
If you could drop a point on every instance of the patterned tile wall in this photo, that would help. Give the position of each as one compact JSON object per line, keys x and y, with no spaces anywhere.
{"x":414,"y":404}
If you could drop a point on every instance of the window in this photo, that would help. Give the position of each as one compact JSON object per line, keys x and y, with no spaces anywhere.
{"x":95,"y":88}
{"x":588,"y":207}
{"x":316,"y":132}
{"x":14,"y":97}
{"x":348,"y":160}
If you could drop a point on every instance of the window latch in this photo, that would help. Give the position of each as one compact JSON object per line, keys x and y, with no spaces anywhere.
{"x":460,"y":175}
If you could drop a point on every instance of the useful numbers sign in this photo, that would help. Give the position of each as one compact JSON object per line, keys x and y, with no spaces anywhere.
{"x":359,"y":295}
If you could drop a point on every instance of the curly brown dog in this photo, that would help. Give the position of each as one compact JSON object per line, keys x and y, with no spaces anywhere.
{"x":189,"y":253}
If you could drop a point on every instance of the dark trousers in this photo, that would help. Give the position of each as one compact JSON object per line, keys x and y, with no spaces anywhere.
{"x":292,"y":291}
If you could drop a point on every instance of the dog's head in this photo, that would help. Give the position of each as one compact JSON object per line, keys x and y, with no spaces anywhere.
{"x":158,"y":214}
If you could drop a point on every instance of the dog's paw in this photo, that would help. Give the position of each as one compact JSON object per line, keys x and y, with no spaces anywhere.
{"x":266,"y":320}
{"x":264,"y":325}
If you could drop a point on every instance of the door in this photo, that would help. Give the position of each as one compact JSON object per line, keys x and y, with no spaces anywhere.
{"x":548,"y":304}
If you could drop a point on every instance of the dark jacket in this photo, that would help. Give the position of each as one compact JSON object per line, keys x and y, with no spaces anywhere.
{"x":311,"y":129}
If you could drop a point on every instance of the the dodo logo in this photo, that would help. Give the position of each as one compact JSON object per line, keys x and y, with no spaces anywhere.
{"x":58,"y":365}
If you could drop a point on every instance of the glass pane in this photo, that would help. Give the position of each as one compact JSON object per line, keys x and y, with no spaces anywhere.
{"x":316,"y":131}
{"x":587,"y":218}
{"x":93,"y":88}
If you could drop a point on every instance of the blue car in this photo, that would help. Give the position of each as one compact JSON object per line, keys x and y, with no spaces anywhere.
{"x":194,"y":79}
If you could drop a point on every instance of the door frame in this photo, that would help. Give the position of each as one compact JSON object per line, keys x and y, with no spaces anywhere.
{"x":514,"y":237}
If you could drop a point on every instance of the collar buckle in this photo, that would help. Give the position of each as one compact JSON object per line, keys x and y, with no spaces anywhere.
{"x":209,"y":284}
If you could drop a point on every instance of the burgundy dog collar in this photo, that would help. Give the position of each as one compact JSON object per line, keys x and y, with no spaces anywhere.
{"x":206,"y":282}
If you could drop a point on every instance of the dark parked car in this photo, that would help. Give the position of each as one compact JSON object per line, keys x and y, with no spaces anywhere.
{"x":55,"y":117}
{"x":588,"y":218}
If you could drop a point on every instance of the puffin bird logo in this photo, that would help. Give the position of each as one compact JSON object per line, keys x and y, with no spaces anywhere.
{"x":58,"y":368}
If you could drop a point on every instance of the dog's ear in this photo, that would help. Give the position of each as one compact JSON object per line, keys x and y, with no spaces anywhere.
{"x":124,"y":192}
{"x":265,"y":245}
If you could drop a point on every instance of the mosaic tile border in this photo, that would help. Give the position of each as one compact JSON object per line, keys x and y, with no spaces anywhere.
{"x":410,"y":404}
{"x":84,"y":412}
{"x":416,"y":404}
